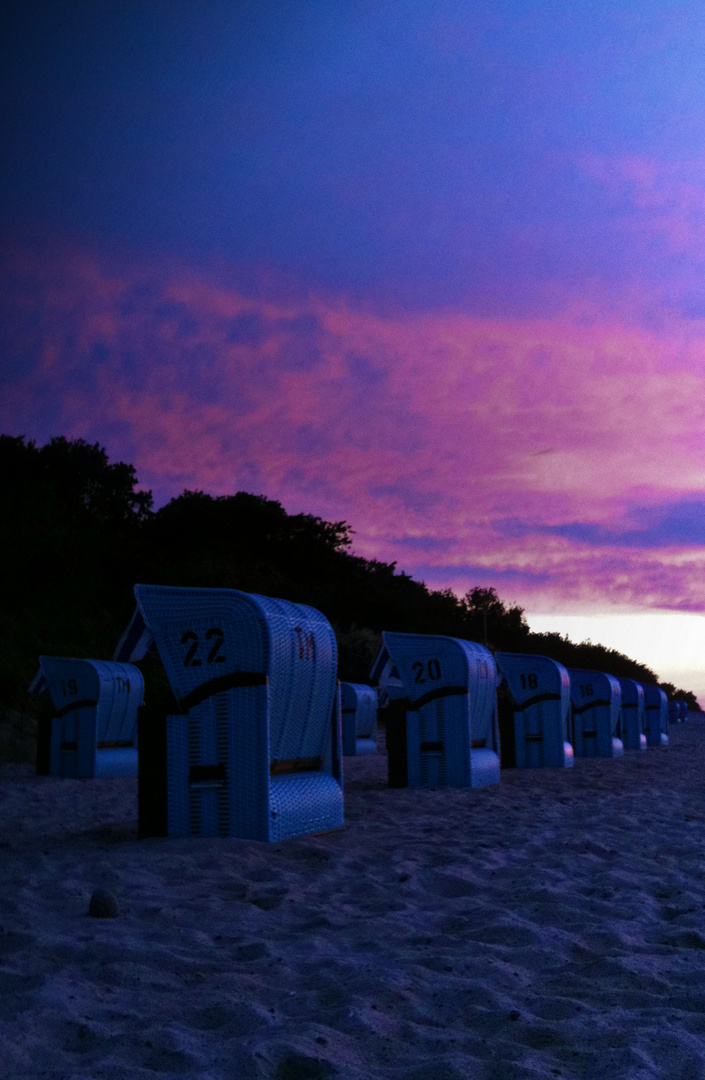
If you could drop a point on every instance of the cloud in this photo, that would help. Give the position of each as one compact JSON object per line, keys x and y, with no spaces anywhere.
{"x":559,"y":459}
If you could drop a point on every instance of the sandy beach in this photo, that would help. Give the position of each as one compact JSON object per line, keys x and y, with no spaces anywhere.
{"x":552,"y":926}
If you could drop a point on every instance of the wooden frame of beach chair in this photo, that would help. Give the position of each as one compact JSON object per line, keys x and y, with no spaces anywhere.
{"x":539,"y":712}
{"x":632,"y":721}
{"x":597,"y":708}
{"x":359,"y":716}
{"x":655,"y":715}
{"x":450,"y":732}
{"x":254,"y":750}
{"x":93,"y":732}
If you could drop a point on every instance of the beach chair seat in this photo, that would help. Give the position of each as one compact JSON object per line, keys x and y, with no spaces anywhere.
{"x":536,"y":716}
{"x":655,"y":715}
{"x":93,"y":732}
{"x":632,"y":719}
{"x":450,"y":736}
{"x":252,"y":748}
{"x":596,"y":711}
{"x":359,"y":718}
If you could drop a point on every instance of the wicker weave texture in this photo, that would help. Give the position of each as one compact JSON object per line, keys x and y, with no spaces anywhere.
{"x":540,"y":689}
{"x":632,"y":720}
{"x":96,"y":702}
{"x":451,"y":687}
{"x":597,"y":707}
{"x":257,"y":680}
{"x":655,"y":715}
{"x":359,"y":706}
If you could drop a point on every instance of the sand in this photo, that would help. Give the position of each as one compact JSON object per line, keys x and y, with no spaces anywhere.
{"x":552,"y":926}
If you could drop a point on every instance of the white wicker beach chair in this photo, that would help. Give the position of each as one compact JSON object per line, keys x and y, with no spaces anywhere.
{"x":255,"y":748}
{"x":359,"y":715}
{"x":450,"y":731}
{"x":632,"y":721}
{"x":597,"y":708}
{"x":655,"y":715}
{"x":93,"y":732}
{"x":539,"y":715}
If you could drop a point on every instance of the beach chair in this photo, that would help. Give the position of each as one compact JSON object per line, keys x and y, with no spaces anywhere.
{"x":449,"y":736}
{"x":683,"y":711}
{"x":93,"y":732}
{"x":674,"y":712}
{"x":597,"y":708}
{"x":536,"y":712}
{"x":359,"y":714}
{"x":252,"y":748}
{"x":632,"y":721}
{"x":655,"y":715}
{"x":384,"y":675}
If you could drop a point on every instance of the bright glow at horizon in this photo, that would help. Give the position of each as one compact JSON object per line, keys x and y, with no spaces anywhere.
{"x":672,"y":644}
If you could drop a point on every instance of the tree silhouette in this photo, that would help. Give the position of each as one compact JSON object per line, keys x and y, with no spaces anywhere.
{"x":79,"y":534}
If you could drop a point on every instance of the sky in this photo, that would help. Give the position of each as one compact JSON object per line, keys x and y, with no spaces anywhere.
{"x":434,"y":268}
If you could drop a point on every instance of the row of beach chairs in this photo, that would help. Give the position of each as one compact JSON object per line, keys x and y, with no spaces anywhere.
{"x":252,"y":745}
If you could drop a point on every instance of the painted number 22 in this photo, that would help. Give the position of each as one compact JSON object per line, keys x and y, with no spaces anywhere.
{"x":214,"y":636}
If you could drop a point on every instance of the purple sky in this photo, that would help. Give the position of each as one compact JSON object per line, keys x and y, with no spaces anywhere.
{"x":435,"y":268}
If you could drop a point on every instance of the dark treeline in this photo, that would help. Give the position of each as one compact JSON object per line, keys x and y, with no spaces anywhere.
{"x":78,"y":535}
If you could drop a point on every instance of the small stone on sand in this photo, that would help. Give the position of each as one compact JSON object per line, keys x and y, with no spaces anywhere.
{"x":103,"y":905}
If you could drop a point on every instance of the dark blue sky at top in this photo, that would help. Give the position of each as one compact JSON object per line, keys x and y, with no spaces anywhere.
{"x":434,"y":267}
{"x":421,"y":154}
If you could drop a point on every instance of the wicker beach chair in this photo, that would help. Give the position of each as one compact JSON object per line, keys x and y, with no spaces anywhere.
{"x":536,"y":712}
{"x":632,"y":721}
{"x":93,"y":732}
{"x":597,"y":708}
{"x":253,"y":748}
{"x":359,"y":715}
{"x":450,"y":735}
{"x":385,"y":677}
{"x":655,"y":715}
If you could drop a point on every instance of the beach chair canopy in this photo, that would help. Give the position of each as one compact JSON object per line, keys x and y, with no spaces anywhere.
{"x":655,"y":715}
{"x":450,"y":689}
{"x":256,"y":684}
{"x":597,"y":708}
{"x":359,"y":717}
{"x":94,"y":730}
{"x":632,"y":721}
{"x":540,"y":699}
{"x":385,"y":676}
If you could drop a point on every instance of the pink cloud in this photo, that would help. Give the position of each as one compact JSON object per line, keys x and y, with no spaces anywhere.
{"x":426,"y":432}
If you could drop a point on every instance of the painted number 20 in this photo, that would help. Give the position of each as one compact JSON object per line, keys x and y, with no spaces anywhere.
{"x":191,"y":639}
{"x":430,"y":670}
